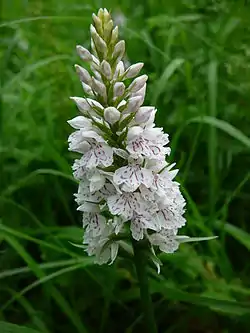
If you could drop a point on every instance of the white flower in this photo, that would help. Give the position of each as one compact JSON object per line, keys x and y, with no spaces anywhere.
{"x":100,"y":246}
{"x":125,"y":204}
{"x":141,"y":222}
{"x":99,"y":154}
{"x":94,"y":222}
{"x":149,"y":143}
{"x":166,"y":240}
{"x":132,"y":176}
{"x":170,"y":219}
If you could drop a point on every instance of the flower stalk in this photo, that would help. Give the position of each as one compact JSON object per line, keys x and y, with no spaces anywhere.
{"x":141,"y":264}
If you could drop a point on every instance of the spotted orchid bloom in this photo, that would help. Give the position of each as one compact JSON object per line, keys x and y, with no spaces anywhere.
{"x":126,"y":187}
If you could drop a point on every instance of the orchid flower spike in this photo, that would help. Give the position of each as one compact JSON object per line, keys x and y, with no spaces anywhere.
{"x":126,"y":187}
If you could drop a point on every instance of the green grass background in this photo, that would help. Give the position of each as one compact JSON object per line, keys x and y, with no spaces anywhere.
{"x":197,"y":56}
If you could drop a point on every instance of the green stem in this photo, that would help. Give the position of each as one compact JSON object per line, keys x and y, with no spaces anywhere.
{"x":141,"y":261}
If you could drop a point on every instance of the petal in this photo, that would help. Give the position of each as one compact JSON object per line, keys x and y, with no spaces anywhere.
{"x":89,"y":207}
{"x":97,"y":181}
{"x":92,"y":135}
{"x":136,"y":230}
{"x":169,"y":220}
{"x":96,"y":224}
{"x":125,"y":204}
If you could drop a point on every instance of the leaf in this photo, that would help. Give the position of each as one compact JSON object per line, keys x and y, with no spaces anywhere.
{"x":160,"y":85}
{"x":226,"y":306}
{"x":55,"y":293}
{"x":159,"y":20}
{"x":85,"y":261}
{"x":33,"y":67}
{"x":240,"y":235}
{"x":224,"y":126}
{"x":6,"y":327}
{"x":23,"y":181}
{"x":186,"y":239}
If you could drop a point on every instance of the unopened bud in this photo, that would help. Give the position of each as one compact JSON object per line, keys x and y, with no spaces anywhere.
{"x":140,"y":92}
{"x":119,"y":70}
{"x":100,"y":13}
{"x":83,"y":53}
{"x":86,"y":104}
{"x":144,"y":114}
{"x":106,"y":69}
{"x":87,"y":89}
{"x":111,"y":115}
{"x":114,"y":35}
{"x":106,"y":15}
{"x":134,"y":131}
{"x":99,"y":88}
{"x":133,"y":70}
{"x":83,"y":74}
{"x":97,"y":23}
{"x":108,"y":30}
{"x":119,"y":50}
{"x":119,"y":89}
{"x":138,"y":83}
{"x":99,"y":43}
{"x":133,"y":104}
{"x":80,"y":122}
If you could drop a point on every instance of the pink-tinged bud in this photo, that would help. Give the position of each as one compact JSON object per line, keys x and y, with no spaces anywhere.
{"x":133,"y":70}
{"x":119,"y":69}
{"x":80,"y":122}
{"x":99,"y":88}
{"x":119,"y":89}
{"x":138,"y":83}
{"x":106,"y":69}
{"x":134,"y":131}
{"x":133,"y":104}
{"x":83,"y":53}
{"x":144,"y":114}
{"x":119,"y":50}
{"x":83,"y":75}
{"x":87,"y":89}
{"x":140,"y":92}
{"x":111,"y":115}
{"x":86,"y":104}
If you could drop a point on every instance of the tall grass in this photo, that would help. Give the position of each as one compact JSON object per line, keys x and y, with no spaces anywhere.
{"x":197,"y":56}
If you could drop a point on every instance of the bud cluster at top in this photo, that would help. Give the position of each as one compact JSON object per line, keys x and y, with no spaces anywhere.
{"x":126,"y":187}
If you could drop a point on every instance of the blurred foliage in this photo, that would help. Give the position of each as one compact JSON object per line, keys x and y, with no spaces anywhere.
{"x":197,"y":55}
